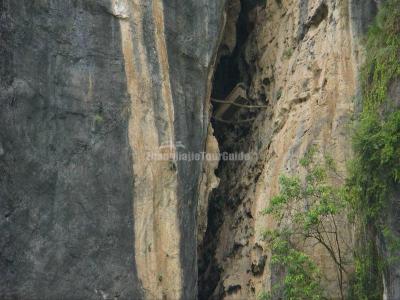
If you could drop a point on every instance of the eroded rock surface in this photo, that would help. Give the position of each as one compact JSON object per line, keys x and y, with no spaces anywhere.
{"x":301,"y":59}
{"x":92,"y":91}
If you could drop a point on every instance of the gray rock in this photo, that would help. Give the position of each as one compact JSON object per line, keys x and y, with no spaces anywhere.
{"x":66,"y":183}
{"x":362,"y":12}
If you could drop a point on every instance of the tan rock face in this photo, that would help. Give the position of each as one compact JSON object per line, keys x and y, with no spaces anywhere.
{"x":159,"y":192}
{"x":209,"y":181}
{"x":156,"y":223}
{"x":304,"y":63}
{"x":228,"y":42}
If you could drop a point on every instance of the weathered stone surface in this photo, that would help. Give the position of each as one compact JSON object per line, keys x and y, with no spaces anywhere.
{"x":302,"y":58}
{"x":65,"y":177}
{"x":88,"y":88}
{"x":209,"y":181}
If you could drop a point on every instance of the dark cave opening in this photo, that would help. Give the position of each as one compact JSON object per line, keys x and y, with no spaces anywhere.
{"x":232,"y":67}
{"x":232,"y":70}
{"x":227,"y":75}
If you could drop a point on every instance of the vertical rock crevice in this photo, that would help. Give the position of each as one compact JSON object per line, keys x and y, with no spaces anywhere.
{"x":232,"y":125}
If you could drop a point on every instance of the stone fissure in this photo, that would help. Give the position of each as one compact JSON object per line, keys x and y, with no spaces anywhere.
{"x":232,"y":124}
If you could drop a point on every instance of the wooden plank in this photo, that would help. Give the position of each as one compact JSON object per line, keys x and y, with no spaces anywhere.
{"x":238,"y":92}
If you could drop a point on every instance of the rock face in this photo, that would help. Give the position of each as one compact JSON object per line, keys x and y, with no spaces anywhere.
{"x":301,"y":59}
{"x":99,"y":97}
{"x":392,"y":275}
{"x":89,"y":89}
{"x":209,"y":181}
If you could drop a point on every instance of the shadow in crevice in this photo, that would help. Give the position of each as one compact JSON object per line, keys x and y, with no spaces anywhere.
{"x":232,"y":70}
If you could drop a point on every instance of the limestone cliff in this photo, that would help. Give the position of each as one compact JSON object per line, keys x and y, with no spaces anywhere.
{"x":94,"y":92}
{"x":88,"y":89}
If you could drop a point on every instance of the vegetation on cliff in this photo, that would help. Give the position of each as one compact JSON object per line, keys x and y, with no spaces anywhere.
{"x":375,"y":170}
{"x":373,"y":177}
{"x":307,"y":214}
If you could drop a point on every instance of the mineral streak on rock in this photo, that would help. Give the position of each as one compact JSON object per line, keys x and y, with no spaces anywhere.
{"x":157,"y":236}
